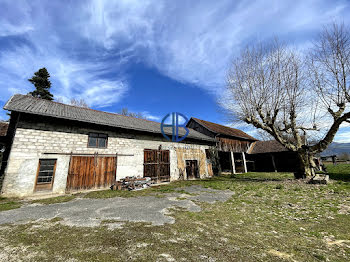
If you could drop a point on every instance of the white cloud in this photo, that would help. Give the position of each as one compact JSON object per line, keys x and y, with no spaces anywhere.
{"x":194,"y":43}
{"x":70,"y":78}
{"x":343,"y":136}
{"x":14,"y":23}
{"x":102,"y":93}
{"x":152,"y":117}
{"x":85,"y":45}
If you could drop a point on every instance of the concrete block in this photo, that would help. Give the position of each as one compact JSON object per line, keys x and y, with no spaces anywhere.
{"x":319,"y":179}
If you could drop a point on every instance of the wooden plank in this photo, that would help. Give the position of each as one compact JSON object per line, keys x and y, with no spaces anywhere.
{"x":91,"y":172}
{"x":86,"y":174}
{"x":273,"y":163}
{"x":156,"y":165}
{"x":82,"y":171}
{"x":233,"y":163}
{"x":244,"y":162}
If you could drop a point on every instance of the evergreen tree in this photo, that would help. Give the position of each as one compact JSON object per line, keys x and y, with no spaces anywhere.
{"x":42,"y":84}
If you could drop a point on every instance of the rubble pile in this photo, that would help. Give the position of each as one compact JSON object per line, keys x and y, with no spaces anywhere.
{"x":132,"y":183}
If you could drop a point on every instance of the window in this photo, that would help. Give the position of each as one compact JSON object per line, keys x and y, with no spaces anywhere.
{"x":97,"y":140}
{"x":46,"y":173}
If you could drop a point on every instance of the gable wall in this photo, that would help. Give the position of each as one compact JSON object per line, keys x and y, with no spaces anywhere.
{"x":199,"y":128}
{"x":36,"y":136}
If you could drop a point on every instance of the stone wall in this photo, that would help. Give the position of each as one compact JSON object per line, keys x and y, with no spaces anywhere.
{"x":33,"y":138}
{"x":184,"y":154}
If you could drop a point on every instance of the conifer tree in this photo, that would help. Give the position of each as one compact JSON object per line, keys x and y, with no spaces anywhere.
{"x":42,"y":84}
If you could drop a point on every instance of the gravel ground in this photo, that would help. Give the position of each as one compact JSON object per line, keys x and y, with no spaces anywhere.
{"x":91,"y":212}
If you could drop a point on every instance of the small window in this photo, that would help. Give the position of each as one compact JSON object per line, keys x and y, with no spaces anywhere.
{"x":46,"y":173}
{"x":97,"y":140}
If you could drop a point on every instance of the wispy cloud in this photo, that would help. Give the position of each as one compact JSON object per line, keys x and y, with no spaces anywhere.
{"x":76,"y":72}
{"x":152,"y":117}
{"x":343,"y":135}
{"x":193,"y":43}
{"x":88,"y":45}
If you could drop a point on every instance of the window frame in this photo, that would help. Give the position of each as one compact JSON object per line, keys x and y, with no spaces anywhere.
{"x":47,"y":185}
{"x":98,"y":136}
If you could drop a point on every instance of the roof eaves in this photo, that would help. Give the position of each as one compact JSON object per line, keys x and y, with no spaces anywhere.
{"x":100,"y":123}
{"x":217,"y":133}
{"x":7,"y":103}
{"x":198,"y":121}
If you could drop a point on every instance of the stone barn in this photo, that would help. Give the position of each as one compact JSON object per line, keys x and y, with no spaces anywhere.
{"x":54,"y":148}
{"x":57,"y":148}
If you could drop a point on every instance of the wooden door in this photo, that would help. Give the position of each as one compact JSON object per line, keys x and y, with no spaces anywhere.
{"x":192,"y":169}
{"x":87,"y":172}
{"x":157,"y":165}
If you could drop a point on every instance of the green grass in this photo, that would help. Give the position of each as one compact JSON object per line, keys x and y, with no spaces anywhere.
{"x":13,"y":203}
{"x":270,"y":217}
{"x":339,"y":172}
{"x":54,"y":200}
{"x":9,"y":203}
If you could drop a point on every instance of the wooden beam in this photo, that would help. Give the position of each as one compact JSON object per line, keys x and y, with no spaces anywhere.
{"x":244,"y":163}
{"x":83,"y":154}
{"x":273,"y":162}
{"x":233,"y":163}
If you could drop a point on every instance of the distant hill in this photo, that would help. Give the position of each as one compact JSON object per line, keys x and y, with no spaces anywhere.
{"x":336,"y":149}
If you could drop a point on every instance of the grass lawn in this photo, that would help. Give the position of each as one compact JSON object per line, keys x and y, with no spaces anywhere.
{"x":270,"y":217}
{"x":13,"y":203}
{"x":339,"y":171}
{"x":8,"y":204}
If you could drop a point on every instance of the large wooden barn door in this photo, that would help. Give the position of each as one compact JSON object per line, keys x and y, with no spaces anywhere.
{"x":87,"y":172}
{"x":157,"y":165}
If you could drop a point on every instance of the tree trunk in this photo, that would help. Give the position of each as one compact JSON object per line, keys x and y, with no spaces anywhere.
{"x":306,"y":165}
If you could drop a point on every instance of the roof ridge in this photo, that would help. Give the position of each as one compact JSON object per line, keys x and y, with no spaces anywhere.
{"x":79,"y":107}
{"x":207,"y":124}
{"x":34,"y":105}
{"x":218,"y":124}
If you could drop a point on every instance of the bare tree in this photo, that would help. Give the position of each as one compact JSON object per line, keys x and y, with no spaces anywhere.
{"x":273,"y":88}
{"x":75,"y":102}
{"x":125,"y":112}
{"x":80,"y":103}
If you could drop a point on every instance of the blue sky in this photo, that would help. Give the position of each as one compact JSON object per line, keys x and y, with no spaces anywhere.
{"x":151,"y":56}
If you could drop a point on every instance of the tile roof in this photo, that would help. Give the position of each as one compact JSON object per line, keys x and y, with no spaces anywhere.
{"x":271,"y":146}
{"x":224,"y":130}
{"x":3,"y":128}
{"x":37,"y":106}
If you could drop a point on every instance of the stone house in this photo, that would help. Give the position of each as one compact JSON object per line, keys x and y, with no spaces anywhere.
{"x":58,"y":148}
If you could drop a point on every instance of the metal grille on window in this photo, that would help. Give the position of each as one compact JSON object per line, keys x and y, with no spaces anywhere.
{"x":46,"y":171}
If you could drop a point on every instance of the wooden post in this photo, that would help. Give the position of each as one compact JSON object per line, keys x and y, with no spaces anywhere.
{"x":273,"y":162}
{"x":116,"y":167}
{"x":244,"y":162}
{"x":233,"y":163}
